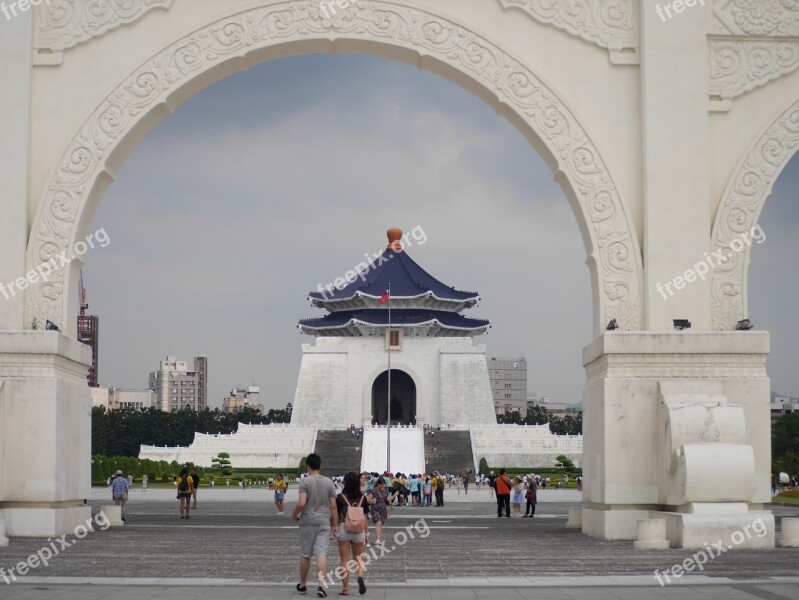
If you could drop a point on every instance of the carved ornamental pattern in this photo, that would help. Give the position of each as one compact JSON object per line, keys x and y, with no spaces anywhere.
{"x":614,"y":249}
{"x":738,"y":66}
{"x":62,"y":24}
{"x":768,"y":18}
{"x":752,"y":42}
{"x":611,"y":24}
{"x":739,"y":210}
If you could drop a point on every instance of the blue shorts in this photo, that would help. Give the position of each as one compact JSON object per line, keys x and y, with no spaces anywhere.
{"x":280,"y":495}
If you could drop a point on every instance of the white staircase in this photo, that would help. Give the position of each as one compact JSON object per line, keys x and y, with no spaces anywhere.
{"x":407,"y":450}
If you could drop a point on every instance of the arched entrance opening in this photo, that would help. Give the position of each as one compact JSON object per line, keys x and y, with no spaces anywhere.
{"x":237,"y":40}
{"x":403,"y":398}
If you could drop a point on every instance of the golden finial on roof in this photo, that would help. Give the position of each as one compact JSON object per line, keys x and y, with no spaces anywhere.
{"x":394,"y":239}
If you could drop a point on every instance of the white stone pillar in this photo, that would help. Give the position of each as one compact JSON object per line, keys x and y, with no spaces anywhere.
{"x":45,"y":432}
{"x":15,"y":65}
{"x":674,"y":96}
{"x":668,"y":419}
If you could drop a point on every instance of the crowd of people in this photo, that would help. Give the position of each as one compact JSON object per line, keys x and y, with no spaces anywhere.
{"x":340,"y":508}
{"x":782,"y":481}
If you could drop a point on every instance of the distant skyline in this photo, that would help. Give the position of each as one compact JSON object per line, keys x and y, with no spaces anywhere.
{"x":282,"y":177}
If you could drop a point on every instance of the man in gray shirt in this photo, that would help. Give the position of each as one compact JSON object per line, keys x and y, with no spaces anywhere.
{"x":318,"y":516}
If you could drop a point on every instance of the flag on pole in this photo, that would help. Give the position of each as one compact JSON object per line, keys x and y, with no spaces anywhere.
{"x":384,"y":298}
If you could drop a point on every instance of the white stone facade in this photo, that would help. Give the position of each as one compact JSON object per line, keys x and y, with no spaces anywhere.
{"x":334,"y":389}
{"x":523,"y":446}
{"x":252,"y":446}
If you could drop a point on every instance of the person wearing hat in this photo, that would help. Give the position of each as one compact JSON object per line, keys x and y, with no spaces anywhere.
{"x":119,"y":491}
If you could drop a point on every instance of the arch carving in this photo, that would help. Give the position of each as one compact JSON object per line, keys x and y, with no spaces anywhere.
{"x":66,"y":210}
{"x":739,"y":211}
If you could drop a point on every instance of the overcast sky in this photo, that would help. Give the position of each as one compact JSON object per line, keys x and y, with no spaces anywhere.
{"x":283,"y":177}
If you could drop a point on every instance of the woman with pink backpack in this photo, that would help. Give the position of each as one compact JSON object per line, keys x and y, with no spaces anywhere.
{"x":352,"y":511}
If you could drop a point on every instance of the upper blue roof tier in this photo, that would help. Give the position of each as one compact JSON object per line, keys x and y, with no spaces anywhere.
{"x":407,"y":279}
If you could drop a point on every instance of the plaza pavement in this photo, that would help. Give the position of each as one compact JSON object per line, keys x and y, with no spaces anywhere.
{"x":235,"y":546}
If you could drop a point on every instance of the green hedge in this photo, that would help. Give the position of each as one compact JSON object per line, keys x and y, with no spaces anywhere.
{"x":551,"y":472}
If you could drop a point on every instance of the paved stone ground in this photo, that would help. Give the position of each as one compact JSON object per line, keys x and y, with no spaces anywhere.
{"x":237,"y":547}
{"x":569,"y":591}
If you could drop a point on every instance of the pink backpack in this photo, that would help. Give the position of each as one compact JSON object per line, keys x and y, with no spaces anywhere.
{"x":355,"y":519}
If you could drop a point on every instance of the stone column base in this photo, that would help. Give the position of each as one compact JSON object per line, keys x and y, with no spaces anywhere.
{"x":31,"y":520}
{"x":3,"y":538}
{"x":670,"y":420}
{"x":752,"y":529}
{"x":45,"y":433}
{"x":613,"y":523}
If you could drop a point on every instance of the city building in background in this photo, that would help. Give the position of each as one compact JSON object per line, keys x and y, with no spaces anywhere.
{"x":114,"y":398}
{"x":555,"y":409}
{"x":89,"y":333}
{"x":781,"y":406}
{"x":508,"y":377}
{"x":241,"y":398}
{"x":177,"y":386}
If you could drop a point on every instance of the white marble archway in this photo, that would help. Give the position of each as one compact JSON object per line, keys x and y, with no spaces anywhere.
{"x":642,"y":118}
{"x":391,"y":29}
{"x":740,"y":208}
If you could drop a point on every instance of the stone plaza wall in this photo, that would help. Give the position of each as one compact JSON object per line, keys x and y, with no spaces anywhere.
{"x":252,"y":446}
{"x":523,"y":446}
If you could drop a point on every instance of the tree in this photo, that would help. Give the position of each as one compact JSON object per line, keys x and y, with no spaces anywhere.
{"x":99,"y":430}
{"x":303,"y":466}
{"x":571,"y":424}
{"x":483,"y":470}
{"x":536,"y":415}
{"x":510,"y":418}
{"x":565,"y":462}
{"x":222,"y":462}
{"x":785,"y":444}
{"x":280,"y":416}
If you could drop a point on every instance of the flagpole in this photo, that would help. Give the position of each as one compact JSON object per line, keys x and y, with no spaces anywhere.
{"x":388,"y":415}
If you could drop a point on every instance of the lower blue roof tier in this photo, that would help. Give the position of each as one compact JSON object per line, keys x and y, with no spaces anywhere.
{"x":399,"y":318}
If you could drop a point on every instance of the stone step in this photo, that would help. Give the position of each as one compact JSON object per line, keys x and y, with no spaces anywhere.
{"x":449,"y":452}
{"x":340,"y":452}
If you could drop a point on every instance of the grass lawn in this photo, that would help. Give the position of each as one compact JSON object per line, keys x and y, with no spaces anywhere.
{"x":786,"y":499}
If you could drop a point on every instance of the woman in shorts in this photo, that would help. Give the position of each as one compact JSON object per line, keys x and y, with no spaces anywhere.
{"x":280,"y":493}
{"x":185,"y":487}
{"x":351,"y":544}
